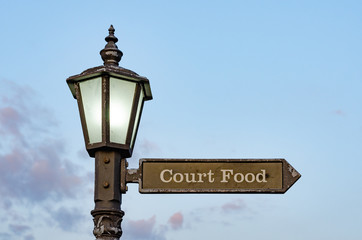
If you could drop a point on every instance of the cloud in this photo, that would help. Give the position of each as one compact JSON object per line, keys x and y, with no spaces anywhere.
{"x":176,"y":221}
{"x":18,"y":228}
{"x":149,"y":229}
{"x":33,"y":168}
{"x":233,"y":206}
{"x":225,"y":213}
{"x":143,"y":149}
{"x":147,"y":147}
{"x":68,"y":219}
{"x":20,"y":114}
{"x":4,"y":236}
{"x":37,"y":174}
{"x":29,"y":237}
{"x":143,"y":229}
{"x":11,"y":122}
{"x":6,"y":204}
{"x":339,"y":112}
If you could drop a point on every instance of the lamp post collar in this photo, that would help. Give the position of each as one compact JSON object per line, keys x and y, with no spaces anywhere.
{"x":111,"y":55}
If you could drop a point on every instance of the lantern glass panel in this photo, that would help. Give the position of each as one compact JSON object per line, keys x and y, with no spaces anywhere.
{"x":121,"y":95}
{"x":139,"y":108}
{"x":91,"y":91}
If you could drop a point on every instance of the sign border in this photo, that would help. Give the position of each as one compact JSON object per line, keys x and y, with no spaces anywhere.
{"x":290,"y":176}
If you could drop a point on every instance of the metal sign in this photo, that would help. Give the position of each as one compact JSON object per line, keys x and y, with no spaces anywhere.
{"x":214,"y":176}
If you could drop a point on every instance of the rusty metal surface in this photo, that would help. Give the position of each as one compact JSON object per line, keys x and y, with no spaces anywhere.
{"x":107,"y":213}
{"x":133,"y":176}
{"x":215,"y":176}
{"x":123,"y":174}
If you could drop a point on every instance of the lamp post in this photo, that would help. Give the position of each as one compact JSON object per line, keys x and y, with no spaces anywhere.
{"x":110,"y":101}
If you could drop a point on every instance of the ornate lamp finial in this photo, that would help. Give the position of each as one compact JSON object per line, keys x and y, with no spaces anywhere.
{"x":111,"y":55}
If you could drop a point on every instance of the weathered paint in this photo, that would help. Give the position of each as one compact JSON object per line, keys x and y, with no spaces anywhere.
{"x":213,"y":176}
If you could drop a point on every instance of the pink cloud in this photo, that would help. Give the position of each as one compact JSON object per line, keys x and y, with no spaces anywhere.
{"x":141,"y":228}
{"x":147,"y":146}
{"x":32,"y":175}
{"x":34,"y":169}
{"x":176,"y":220}
{"x":11,"y":121}
{"x":20,"y":94}
{"x":339,"y":112}
{"x":235,"y":205}
{"x":32,"y":166}
{"x":144,"y":229}
{"x":49,"y":176}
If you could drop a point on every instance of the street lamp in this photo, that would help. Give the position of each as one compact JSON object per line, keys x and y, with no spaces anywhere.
{"x":110,"y":101}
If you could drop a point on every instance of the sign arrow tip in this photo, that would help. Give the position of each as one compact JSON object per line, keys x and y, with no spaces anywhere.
{"x":291,"y":176}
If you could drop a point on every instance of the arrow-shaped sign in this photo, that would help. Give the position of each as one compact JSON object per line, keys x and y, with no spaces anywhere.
{"x":213,"y":176}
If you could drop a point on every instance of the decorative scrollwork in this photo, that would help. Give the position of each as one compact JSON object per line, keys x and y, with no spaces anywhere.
{"x":107,"y":224}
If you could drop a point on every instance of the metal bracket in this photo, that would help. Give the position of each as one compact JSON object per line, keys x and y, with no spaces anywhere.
{"x":128,"y":176}
{"x":133,"y":176}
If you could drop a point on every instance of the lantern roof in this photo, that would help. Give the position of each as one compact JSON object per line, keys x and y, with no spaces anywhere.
{"x":111,"y":56}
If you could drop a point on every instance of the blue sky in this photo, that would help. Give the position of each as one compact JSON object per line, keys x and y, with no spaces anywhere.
{"x":231,"y":79}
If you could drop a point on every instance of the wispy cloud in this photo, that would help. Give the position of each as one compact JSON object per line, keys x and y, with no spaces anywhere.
{"x":36,"y":174}
{"x":11,"y":122}
{"x":339,"y":112}
{"x":230,"y":207}
{"x":18,"y":228}
{"x":150,"y":229}
{"x":176,"y":220}
{"x":143,"y":229}
{"x":144,"y":148}
{"x":29,"y":237}
{"x":32,"y":163}
{"x":233,"y":206}
{"x":68,"y":219}
{"x":227,"y":212}
{"x":33,"y":167}
{"x":4,"y":235}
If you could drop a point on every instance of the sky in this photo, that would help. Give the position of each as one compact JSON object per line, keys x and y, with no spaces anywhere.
{"x":230,"y":79}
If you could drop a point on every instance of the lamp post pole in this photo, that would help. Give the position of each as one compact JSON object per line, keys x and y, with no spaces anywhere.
{"x":107,"y":213}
